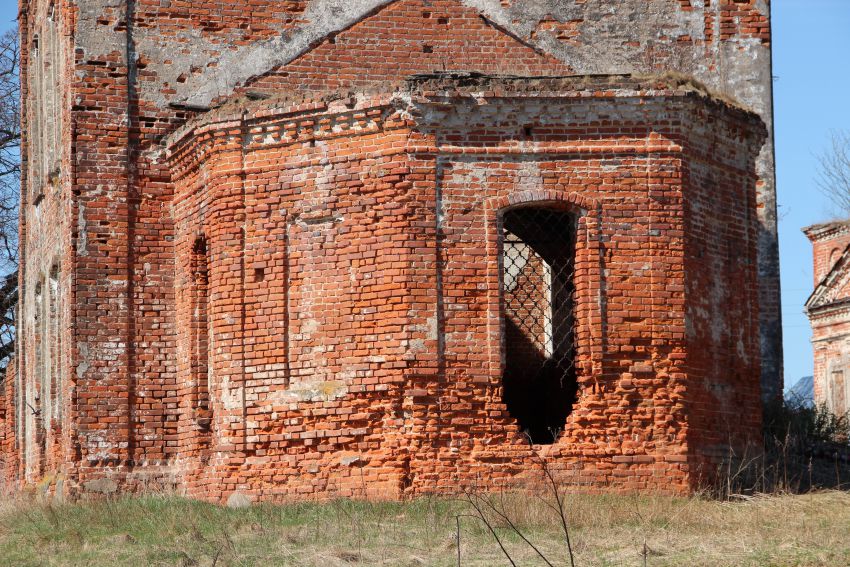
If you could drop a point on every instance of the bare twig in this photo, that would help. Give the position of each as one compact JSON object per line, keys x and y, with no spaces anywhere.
{"x":217,"y":555}
{"x":483,"y":517}
{"x":516,"y":530}
{"x":457,"y":520}
{"x":559,"y":501}
{"x":834,"y":177}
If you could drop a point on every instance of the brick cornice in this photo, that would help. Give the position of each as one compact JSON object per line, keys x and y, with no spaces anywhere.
{"x":826,"y":231}
{"x":292,"y":119}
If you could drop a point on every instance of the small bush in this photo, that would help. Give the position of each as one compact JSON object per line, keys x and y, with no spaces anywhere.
{"x":808,"y":426}
{"x":805,"y":448}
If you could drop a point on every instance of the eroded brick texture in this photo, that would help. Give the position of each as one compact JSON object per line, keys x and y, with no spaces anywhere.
{"x":263,"y":260}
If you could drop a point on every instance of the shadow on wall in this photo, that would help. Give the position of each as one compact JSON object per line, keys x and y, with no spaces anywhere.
{"x":538,"y":391}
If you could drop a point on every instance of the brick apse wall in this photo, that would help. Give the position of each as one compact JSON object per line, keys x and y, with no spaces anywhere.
{"x":256,"y":257}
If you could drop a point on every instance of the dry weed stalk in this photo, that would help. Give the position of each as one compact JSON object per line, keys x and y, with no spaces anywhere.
{"x":559,"y":501}
{"x":486,"y":508}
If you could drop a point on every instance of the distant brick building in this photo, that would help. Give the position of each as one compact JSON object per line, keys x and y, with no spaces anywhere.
{"x":298,"y":248}
{"x":829,"y":313}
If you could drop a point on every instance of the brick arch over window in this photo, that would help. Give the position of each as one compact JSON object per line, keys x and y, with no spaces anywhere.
{"x":833,"y":257}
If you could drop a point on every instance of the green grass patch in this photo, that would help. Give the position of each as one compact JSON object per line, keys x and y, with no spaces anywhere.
{"x":605,"y":530}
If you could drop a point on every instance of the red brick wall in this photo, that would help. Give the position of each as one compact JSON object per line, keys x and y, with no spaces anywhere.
{"x":6,"y":453}
{"x":8,"y":449}
{"x":42,"y":440}
{"x":831,"y":355}
{"x":408,"y":38}
{"x":720,"y":236}
{"x":356,"y":335}
{"x":828,"y":248}
{"x":123,"y":236}
{"x":737,"y":19}
{"x":251,"y":21}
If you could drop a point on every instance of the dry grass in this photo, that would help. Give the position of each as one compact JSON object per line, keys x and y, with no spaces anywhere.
{"x":606,"y":530}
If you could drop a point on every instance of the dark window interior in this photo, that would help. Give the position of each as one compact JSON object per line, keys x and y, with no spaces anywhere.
{"x":538,"y":259}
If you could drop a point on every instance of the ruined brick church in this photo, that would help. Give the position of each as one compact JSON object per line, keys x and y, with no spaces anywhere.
{"x":385,"y":248}
{"x":828,"y":309}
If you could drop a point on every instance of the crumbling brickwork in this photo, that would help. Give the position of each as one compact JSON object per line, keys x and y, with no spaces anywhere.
{"x":267,"y":255}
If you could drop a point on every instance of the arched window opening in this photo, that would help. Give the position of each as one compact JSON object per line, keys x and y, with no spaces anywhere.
{"x":34,"y":133}
{"x":38,"y":340}
{"x":52,"y":96}
{"x":42,"y":380}
{"x":44,"y":106}
{"x":834,"y":256}
{"x":538,"y":259}
{"x":200,"y":335}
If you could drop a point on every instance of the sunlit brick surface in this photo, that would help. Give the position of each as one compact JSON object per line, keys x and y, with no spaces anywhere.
{"x":268,"y":261}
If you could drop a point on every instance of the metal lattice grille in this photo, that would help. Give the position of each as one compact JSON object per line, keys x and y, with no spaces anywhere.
{"x":538,"y":258}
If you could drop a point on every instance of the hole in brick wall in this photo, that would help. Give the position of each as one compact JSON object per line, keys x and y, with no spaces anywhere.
{"x":259,"y":274}
{"x":528,"y":132}
{"x":443,"y":21}
{"x":538,"y":259}
{"x":427,"y":49}
{"x":332,"y":39}
{"x":426,"y":15}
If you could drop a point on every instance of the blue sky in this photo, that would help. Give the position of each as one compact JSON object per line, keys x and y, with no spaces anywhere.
{"x":811,"y":40}
{"x":811,"y":46}
{"x":8,"y":13}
